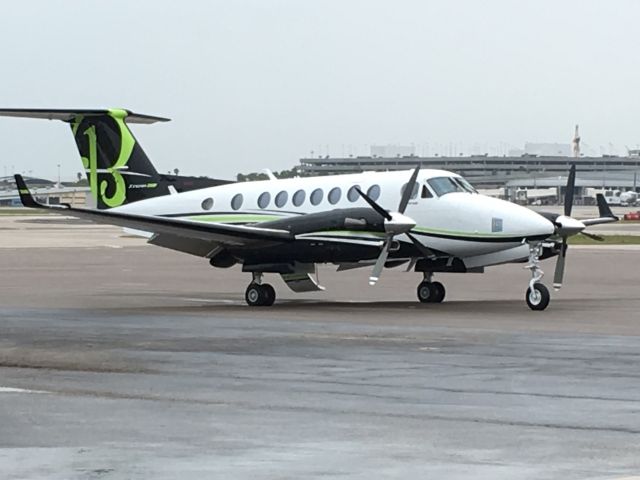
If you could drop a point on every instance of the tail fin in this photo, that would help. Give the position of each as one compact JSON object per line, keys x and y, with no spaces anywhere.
{"x":118,"y":170}
{"x":606,"y":215}
{"x":603,"y":207}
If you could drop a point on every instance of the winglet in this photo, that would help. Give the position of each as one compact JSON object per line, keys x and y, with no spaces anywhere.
{"x":603,"y":207}
{"x":25,"y":195}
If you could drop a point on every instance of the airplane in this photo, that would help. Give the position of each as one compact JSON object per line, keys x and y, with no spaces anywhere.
{"x":431,"y":220}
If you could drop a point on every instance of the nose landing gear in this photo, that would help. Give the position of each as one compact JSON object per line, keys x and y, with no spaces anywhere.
{"x":430,"y":292}
{"x":537,"y":296}
{"x":259,"y":294}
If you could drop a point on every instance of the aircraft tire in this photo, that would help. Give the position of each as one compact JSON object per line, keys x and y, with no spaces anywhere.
{"x":425,"y":292}
{"x":439,"y":292}
{"x":269,"y":294}
{"x":538,"y":300}
{"x":255,"y":295}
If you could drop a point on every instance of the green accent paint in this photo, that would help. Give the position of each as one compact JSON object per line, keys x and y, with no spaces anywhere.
{"x":24,"y":191}
{"x":233,"y":218}
{"x":91,"y":164}
{"x":127,"y":142}
{"x":461,"y":233}
{"x":152,"y":185}
{"x":76,"y":123}
{"x":347,"y":233}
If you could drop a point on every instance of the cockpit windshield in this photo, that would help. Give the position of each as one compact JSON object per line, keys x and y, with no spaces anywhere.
{"x":443,"y":185}
{"x":466,"y":185}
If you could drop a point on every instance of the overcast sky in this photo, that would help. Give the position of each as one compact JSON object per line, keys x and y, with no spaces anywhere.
{"x":259,"y":84}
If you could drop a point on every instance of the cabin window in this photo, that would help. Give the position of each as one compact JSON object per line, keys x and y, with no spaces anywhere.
{"x":353,"y":194}
{"x":334,"y":195}
{"x":426,"y":193}
{"x":281,"y":199}
{"x":374,"y":192}
{"x":236,"y":201}
{"x":207,"y":204}
{"x":444,"y":185}
{"x":298,"y":198}
{"x":264,"y":199}
{"x":316,"y":196}
{"x":414,"y":193}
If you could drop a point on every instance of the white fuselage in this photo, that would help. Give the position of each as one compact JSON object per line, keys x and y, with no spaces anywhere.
{"x":462,"y":222}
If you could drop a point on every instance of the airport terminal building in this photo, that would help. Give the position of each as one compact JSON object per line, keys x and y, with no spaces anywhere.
{"x":510,"y":174}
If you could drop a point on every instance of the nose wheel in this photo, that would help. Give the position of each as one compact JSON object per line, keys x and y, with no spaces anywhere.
{"x":430,"y":292}
{"x":537,"y":295}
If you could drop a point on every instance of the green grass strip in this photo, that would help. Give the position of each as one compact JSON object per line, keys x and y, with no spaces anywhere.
{"x":608,"y":240}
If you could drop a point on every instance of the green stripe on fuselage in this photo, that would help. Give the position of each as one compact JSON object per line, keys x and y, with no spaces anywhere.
{"x":241,"y":218}
{"x":458,"y":233}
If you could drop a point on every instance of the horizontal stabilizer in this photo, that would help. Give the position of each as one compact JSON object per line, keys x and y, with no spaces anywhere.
{"x":70,"y":115}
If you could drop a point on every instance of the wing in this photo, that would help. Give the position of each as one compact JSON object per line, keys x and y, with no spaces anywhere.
{"x":184,"y":235}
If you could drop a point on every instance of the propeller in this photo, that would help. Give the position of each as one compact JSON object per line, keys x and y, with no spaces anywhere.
{"x":396,"y":223}
{"x":567,"y":226}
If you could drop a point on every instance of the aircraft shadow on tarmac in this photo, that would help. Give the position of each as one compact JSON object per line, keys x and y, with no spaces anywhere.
{"x":318,"y":307}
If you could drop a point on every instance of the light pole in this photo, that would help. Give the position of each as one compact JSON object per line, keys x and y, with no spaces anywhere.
{"x":58,"y":175}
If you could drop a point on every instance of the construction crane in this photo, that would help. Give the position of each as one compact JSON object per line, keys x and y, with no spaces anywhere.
{"x":576,"y":143}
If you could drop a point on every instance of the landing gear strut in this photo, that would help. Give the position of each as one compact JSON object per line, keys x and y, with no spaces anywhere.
{"x":430,"y":292}
{"x":259,"y":294}
{"x":537,"y":296}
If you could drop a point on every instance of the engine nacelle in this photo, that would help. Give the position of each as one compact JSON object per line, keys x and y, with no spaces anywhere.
{"x":223,"y":260}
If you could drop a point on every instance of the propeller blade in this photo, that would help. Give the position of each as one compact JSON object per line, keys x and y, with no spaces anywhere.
{"x":593,"y":236}
{"x":423,"y":250}
{"x":569,"y":191}
{"x":377,"y":268}
{"x":559,"y":272}
{"x":374,"y":205}
{"x":408,"y":190}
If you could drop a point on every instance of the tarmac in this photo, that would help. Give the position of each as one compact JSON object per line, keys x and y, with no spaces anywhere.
{"x":120,"y":360}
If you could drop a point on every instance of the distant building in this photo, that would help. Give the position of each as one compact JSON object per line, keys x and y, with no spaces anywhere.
{"x":393,"y":150}
{"x":489,"y":171}
{"x":548,"y":149}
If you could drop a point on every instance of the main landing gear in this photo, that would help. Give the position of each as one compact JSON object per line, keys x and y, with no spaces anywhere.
{"x":537,"y":296}
{"x":259,"y":294}
{"x":429,"y":291}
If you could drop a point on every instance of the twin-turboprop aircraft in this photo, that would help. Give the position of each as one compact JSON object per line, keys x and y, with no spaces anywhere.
{"x":431,"y":220}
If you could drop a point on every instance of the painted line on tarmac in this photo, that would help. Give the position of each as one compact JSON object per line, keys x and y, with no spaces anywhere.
{"x":18,"y":390}
{"x":208,"y":300}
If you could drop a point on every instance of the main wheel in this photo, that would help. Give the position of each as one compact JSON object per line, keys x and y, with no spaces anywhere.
{"x":255,"y":295}
{"x":538,"y":298}
{"x":426,"y":292}
{"x":439,"y":293}
{"x":269,"y":294}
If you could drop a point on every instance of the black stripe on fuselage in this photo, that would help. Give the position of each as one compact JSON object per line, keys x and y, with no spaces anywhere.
{"x":470,"y":238}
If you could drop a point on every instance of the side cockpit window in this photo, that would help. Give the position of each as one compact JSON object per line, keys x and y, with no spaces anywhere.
{"x":426,"y":193}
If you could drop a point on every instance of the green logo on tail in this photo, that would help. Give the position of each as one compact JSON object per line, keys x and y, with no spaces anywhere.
{"x":127,"y":142}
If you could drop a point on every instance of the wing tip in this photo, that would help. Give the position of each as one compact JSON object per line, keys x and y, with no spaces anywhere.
{"x":26,"y":198}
